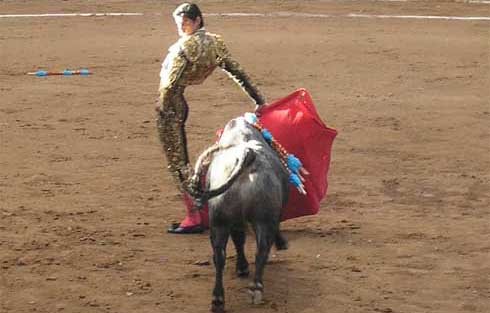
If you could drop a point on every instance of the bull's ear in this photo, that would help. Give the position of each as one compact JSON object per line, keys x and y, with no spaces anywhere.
{"x":249,"y":157}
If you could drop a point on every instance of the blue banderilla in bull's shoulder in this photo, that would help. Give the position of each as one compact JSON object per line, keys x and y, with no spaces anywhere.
{"x":290,"y":161}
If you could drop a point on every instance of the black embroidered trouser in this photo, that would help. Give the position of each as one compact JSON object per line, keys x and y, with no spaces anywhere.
{"x":171,"y":130}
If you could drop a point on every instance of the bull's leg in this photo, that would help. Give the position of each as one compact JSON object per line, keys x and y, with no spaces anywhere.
{"x":265,"y":236}
{"x":239,"y":237}
{"x":219,"y":239}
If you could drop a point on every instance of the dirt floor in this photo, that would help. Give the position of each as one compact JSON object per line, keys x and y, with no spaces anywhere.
{"x":85,"y":197}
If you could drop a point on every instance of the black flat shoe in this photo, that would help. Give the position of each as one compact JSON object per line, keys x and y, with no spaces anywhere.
{"x":174,"y":225}
{"x":176,"y":229}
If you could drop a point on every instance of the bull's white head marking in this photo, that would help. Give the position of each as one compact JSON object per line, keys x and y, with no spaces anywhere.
{"x":237,"y":131}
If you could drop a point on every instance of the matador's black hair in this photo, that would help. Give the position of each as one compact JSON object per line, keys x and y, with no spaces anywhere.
{"x":189,"y":10}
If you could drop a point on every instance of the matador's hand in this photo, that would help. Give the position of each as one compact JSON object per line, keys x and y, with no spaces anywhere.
{"x":258,"y":109}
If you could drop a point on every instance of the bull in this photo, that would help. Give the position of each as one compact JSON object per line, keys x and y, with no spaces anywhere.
{"x":246,"y":183}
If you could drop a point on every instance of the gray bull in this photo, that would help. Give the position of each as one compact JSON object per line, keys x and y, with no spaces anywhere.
{"x":245,"y":182}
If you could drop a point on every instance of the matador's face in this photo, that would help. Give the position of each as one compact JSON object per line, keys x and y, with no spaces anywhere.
{"x":186,"y":26}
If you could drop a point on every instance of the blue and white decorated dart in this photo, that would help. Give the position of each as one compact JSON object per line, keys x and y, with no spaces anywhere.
{"x":43,"y":73}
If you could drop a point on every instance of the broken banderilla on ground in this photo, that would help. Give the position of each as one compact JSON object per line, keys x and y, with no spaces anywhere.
{"x":42,"y":73}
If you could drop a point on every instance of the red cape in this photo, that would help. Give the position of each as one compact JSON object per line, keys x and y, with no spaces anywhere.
{"x":296,"y":125}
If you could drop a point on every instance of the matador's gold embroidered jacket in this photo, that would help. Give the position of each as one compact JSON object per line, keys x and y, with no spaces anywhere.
{"x":193,"y":58}
{"x":189,"y":62}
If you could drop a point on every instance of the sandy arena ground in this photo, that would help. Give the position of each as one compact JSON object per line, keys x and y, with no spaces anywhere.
{"x":85,"y":198}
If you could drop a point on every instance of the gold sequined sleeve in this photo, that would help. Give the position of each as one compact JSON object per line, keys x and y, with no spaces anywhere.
{"x":235,"y":71}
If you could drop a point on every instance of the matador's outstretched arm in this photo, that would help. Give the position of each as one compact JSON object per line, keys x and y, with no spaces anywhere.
{"x":235,"y":71}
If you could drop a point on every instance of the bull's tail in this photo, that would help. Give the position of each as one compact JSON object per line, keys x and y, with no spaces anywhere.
{"x":202,"y":164}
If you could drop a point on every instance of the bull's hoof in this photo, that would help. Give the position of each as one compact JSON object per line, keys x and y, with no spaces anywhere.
{"x":256,"y":296}
{"x":242,"y":268}
{"x":281,"y":242}
{"x":256,"y":293}
{"x":218,"y":305}
{"x":242,"y":273}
